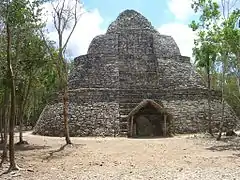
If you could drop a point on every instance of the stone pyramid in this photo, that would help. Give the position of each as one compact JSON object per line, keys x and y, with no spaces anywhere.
{"x":130,"y":63}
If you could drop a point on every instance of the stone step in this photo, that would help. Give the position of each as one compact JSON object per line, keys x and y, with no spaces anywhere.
{"x":123,"y":123}
{"x":123,"y":129}
{"x":128,"y":100}
{"x":123,"y":134}
{"x":128,"y":105}
{"x":124,"y":111}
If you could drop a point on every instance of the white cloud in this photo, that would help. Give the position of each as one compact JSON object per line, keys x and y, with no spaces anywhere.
{"x":87,"y":28}
{"x":182,"y":34}
{"x":181,"y":8}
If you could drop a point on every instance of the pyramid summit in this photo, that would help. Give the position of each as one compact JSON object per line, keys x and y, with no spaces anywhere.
{"x":134,"y":82}
{"x":130,"y":19}
{"x":131,"y":24}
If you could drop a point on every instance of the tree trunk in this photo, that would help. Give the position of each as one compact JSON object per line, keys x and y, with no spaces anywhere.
{"x":65,"y":103}
{"x":238,"y":78}
{"x":21,"y":126}
{"x":5,"y":124}
{"x":13,"y":165}
{"x":209,"y":101}
{"x":238,"y":72}
{"x":63,"y":78}
{"x":20,"y":117}
{"x":223,"y":105}
{"x":1,"y":124}
{"x":65,"y":115}
{"x":222,"y":122}
{"x":20,"y":114}
{"x":24,"y":98}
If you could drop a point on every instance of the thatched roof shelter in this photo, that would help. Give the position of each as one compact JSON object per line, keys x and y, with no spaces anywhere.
{"x":145,"y":102}
{"x":167,"y":117}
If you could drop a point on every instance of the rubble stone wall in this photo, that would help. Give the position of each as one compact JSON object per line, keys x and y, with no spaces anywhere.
{"x":95,"y":72}
{"x":103,"y":119}
{"x":97,"y":119}
{"x":192,"y":116}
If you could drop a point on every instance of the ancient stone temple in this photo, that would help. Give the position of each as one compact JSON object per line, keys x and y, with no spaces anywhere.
{"x":133,"y":81}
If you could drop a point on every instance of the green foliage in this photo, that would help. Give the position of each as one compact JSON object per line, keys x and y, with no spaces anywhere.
{"x":35,"y":70}
{"x":217,"y":49}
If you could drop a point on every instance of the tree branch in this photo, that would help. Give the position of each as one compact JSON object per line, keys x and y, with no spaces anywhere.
{"x":76,"y":18}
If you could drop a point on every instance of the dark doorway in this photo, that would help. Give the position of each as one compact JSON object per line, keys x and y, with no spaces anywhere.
{"x":149,"y":119}
{"x":148,"y":122}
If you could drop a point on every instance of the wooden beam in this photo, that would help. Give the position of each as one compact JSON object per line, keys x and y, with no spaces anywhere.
{"x":134,"y":129}
{"x":131,"y":127}
{"x":165,"y":126}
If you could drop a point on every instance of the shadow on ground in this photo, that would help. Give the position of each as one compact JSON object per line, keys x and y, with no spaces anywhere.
{"x":64,"y":150}
{"x":229,"y":144}
{"x":150,"y":137}
{"x":26,"y":147}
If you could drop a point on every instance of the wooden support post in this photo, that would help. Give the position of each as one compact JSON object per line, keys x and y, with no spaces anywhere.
{"x":131,"y":127}
{"x":134,"y":129}
{"x":165,"y":126}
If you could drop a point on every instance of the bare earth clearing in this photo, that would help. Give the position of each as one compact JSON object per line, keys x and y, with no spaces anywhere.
{"x":181,"y":157}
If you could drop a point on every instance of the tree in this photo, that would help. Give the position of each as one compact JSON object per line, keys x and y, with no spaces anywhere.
{"x":4,"y":91}
{"x":5,"y":125}
{"x":29,"y":54}
{"x":205,"y":50}
{"x":21,"y":61}
{"x":11,"y":83}
{"x":2,"y":85}
{"x":216,"y":46}
{"x":66,"y":15}
{"x":228,"y":51}
{"x":31,"y":63}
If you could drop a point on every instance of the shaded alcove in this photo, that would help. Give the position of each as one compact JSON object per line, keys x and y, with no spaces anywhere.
{"x":149,"y":119}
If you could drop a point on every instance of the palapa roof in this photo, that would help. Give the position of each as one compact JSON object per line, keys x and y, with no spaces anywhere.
{"x":145,"y":102}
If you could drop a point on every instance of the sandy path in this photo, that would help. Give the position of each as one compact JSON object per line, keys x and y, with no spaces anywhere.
{"x":177,"y":158}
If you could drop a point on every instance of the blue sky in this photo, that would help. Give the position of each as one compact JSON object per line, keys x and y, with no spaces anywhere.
{"x":170,"y":17}
{"x":157,"y":11}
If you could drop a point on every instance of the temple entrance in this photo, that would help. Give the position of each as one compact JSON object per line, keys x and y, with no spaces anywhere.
{"x":149,"y":119}
{"x":148,"y":125}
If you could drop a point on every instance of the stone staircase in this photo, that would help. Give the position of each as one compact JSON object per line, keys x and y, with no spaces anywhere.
{"x":128,"y":100}
{"x":124,"y":109}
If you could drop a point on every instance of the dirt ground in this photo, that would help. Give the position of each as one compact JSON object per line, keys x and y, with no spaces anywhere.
{"x":181,"y":157}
